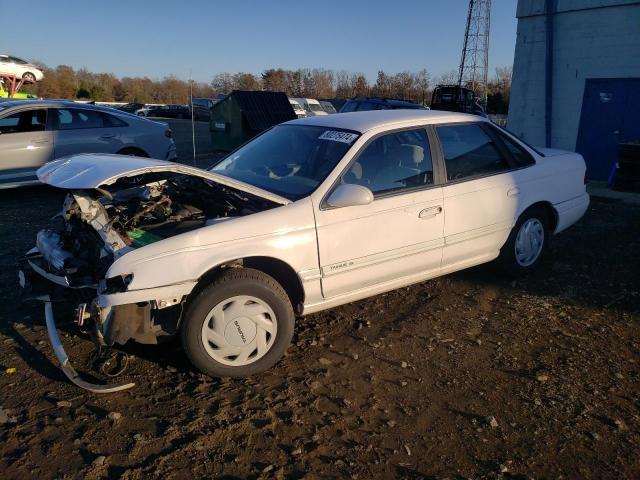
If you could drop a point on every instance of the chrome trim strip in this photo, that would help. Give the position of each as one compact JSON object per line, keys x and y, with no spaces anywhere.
{"x":478,"y":232}
{"x":348,"y":265}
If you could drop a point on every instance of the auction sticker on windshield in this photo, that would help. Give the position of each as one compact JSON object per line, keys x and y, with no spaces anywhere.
{"x":336,"y":136}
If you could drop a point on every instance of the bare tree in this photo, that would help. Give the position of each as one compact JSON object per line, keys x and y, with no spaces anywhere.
{"x":246,"y":81}
{"x":275,"y":80}
{"x":422,"y":81}
{"x":223,"y":83}
{"x":359,"y":85}
{"x":343,"y":84}
{"x":382,"y":87}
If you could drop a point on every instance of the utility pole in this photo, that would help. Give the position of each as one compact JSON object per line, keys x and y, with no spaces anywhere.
{"x":474,"y":64}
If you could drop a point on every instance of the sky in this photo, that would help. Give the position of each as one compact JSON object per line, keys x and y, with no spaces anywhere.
{"x":200,"y":38}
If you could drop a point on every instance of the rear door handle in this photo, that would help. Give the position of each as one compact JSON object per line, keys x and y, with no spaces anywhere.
{"x":514,"y":192}
{"x":41,"y":141}
{"x":107,"y":136}
{"x":430,"y":212}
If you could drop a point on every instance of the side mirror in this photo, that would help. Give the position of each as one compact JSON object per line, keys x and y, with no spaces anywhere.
{"x":350,"y":195}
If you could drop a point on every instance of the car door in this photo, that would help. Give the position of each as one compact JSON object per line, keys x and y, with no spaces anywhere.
{"x":4,"y":64}
{"x":26,"y":143}
{"x":83,"y":131}
{"x":8,"y":66}
{"x":396,"y":238}
{"x":480,"y":194}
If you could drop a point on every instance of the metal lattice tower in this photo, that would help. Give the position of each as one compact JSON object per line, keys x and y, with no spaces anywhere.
{"x":474,"y":64}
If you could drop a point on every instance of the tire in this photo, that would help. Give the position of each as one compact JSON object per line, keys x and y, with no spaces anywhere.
{"x":527,"y":243}
{"x":29,"y":77}
{"x":211,"y":341}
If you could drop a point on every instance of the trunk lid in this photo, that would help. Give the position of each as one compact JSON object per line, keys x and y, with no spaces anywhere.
{"x":552,"y":152}
{"x":91,"y":171}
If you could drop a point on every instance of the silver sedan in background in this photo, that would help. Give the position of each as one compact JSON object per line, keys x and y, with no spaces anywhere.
{"x":35,"y":132}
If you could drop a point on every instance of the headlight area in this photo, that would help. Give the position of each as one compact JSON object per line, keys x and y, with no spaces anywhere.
{"x":146,"y":316}
{"x":143,"y":322}
{"x":117,"y":284}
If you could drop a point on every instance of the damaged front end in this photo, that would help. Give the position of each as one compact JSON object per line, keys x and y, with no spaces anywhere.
{"x":100,"y":224}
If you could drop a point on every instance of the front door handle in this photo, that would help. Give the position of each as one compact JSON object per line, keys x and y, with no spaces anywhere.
{"x":41,"y":141}
{"x":430,"y":212}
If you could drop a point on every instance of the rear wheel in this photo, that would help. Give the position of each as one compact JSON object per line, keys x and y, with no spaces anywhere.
{"x":526,"y":244}
{"x":239,"y":325}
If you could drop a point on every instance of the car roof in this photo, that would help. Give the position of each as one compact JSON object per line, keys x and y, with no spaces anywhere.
{"x":54,"y":103}
{"x":383,"y":101}
{"x":367,"y":120}
{"x":11,"y":104}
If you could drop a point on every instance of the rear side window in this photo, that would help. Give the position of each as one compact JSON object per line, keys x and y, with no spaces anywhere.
{"x":112,"y":121}
{"x":73,"y":119}
{"x":520,"y":156}
{"x":25,"y":121}
{"x":469,"y":151}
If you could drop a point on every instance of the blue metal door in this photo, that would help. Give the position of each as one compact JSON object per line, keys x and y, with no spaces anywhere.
{"x":609,"y":116}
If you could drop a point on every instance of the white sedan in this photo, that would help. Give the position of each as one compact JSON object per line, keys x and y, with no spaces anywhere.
{"x":312,"y":214}
{"x":20,"y":68}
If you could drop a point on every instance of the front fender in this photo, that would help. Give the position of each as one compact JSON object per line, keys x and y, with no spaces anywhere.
{"x":290,"y":237}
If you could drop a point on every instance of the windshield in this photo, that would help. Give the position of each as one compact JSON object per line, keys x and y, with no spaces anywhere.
{"x":297,"y":107}
{"x":288,"y":160}
{"x":315,"y":107}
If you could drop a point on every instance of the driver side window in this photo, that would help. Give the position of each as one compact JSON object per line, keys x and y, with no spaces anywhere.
{"x":393,"y":162}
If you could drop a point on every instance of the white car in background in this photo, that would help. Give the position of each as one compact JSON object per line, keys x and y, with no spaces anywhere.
{"x":312,"y":214}
{"x":297,"y":108}
{"x":33,"y":132}
{"x":144,"y":111}
{"x":311,"y":106}
{"x":20,"y":68}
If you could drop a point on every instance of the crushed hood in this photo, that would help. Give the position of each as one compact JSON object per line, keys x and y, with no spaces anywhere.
{"x":93,"y":170}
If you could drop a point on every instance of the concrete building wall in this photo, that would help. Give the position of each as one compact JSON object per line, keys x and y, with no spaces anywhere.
{"x":591,"y":39}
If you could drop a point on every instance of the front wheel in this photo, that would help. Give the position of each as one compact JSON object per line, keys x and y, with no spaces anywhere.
{"x":29,"y":77}
{"x":526,"y":244}
{"x":239,"y":325}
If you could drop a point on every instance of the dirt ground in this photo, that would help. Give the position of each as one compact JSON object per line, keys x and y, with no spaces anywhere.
{"x":467,"y":376}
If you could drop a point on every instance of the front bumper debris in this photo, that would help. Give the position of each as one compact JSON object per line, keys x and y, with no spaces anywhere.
{"x":63,"y":358}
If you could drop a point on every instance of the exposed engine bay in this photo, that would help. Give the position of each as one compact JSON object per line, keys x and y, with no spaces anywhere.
{"x":97,"y":226}
{"x":101,"y":222}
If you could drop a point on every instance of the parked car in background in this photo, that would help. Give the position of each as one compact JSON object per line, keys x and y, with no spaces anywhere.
{"x":144,"y":110}
{"x":454,"y":98}
{"x":327,"y":107}
{"x":130,"y":107}
{"x":202,"y":108}
{"x":314,"y":213}
{"x":311,"y":106}
{"x":336,"y":102}
{"x":297,"y":108}
{"x":169,"y":111}
{"x":20,"y":68}
{"x":359,"y":104}
{"x":37,"y":131}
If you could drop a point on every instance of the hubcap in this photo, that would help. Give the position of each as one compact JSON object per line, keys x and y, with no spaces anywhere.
{"x":529,"y":242}
{"x":239,"y":330}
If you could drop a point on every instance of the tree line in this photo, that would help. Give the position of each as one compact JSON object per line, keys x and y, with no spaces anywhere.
{"x":65,"y":82}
